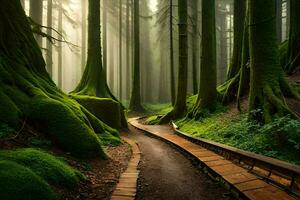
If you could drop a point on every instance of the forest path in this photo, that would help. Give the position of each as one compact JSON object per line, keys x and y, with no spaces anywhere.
{"x":168,"y":175}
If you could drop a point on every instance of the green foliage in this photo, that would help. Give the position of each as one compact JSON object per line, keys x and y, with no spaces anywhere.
{"x":20,"y":183}
{"x":279,"y":139}
{"x":48,"y":167}
{"x":5,"y":131}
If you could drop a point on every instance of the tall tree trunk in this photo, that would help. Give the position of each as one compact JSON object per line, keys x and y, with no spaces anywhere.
{"x":120,"y":50}
{"x":49,"y":59}
{"x":229,"y":90}
{"x":180,"y":103}
{"x":83,"y":34}
{"x":36,"y":14}
{"x":135,"y":100}
{"x":222,"y":72}
{"x":59,"y":50}
{"x":267,"y":84}
{"x":294,"y":38}
{"x":239,"y":21}
{"x":207,"y":97}
{"x":127,"y":48}
{"x":93,"y":81}
{"x":172,"y":66}
{"x":279,"y":20}
{"x":195,"y":46}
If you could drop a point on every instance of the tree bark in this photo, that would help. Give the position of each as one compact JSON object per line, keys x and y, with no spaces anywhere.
{"x":135,"y":100}
{"x":83,"y":34}
{"x":267,"y":83}
{"x":172,"y":66}
{"x":195,"y":46}
{"x":179,"y":109}
{"x":207,"y":96}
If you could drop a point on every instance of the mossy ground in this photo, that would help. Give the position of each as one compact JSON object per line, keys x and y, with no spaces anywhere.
{"x":279,"y":139}
{"x":28,"y":174}
{"x":50,"y":168}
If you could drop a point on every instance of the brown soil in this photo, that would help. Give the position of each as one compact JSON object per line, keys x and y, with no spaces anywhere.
{"x":103,"y":175}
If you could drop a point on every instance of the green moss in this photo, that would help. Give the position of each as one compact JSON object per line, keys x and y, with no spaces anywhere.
{"x":105,"y":109}
{"x":50,"y":168}
{"x":20,"y":183}
{"x":66,"y":127}
{"x":279,"y":139}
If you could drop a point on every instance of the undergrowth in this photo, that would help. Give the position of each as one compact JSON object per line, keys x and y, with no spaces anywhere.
{"x":279,"y":139}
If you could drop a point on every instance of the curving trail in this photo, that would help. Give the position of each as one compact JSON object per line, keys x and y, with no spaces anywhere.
{"x":167,"y":175}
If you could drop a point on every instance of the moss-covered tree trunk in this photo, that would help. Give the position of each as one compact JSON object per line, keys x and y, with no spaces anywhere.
{"x":29,"y":95}
{"x":294,"y":38}
{"x":267,"y":83}
{"x":180,"y":104}
{"x":279,"y":20}
{"x":207,"y":96}
{"x":93,"y":81}
{"x":135,"y":100}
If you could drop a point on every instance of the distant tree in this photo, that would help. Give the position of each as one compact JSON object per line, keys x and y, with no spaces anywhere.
{"x":59,"y":46}
{"x":135,"y":100}
{"x":172,"y":65}
{"x":207,"y":96}
{"x":268,"y":86}
{"x":120,"y":49}
{"x":49,"y":56}
{"x":179,"y":108}
{"x":83,"y":34}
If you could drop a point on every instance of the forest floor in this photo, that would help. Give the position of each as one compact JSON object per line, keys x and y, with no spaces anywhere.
{"x":165,"y":173}
{"x":279,"y":139}
{"x":102,"y":175}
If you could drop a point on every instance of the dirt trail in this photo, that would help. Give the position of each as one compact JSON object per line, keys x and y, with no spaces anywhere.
{"x":167,"y":175}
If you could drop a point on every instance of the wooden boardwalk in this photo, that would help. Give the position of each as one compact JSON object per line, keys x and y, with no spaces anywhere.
{"x":239,"y":179}
{"x":126,"y":188}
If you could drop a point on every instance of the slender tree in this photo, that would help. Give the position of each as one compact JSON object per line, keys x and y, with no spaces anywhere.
{"x":59,"y":48}
{"x":279,"y":20}
{"x":120,"y":49}
{"x":180,"y":103}
{"x":128,"y":51}
{"x":93,"y":81}
{"x":268,"y":86}
{"x":36,"y":14}
{"x":195,"y":46}
{"x":172,"y":65}
{"x":207,"y":97}
{"x":294,"y":38}
{"x":135,"y":100}
{"x":83,"y":34}
{"x":49,"y":59}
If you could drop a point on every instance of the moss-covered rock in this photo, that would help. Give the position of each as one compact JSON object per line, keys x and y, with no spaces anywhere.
{"x":48,"y":167}
{"x":20,"y":183}
{"x":107,"y":110}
